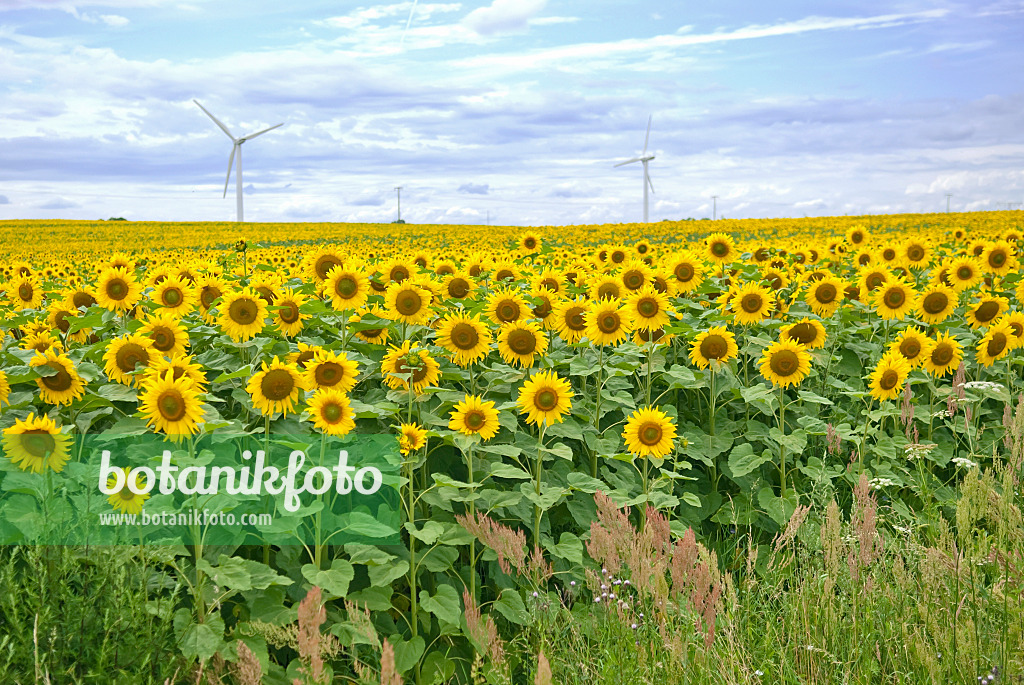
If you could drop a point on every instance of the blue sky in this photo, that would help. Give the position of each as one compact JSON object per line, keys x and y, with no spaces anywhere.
{"x":509,"y":111}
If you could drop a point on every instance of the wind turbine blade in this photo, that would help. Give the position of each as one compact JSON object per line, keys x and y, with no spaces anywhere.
{"x":258,"y":133}
{"x":648,"y":136}
{"x":648,"y":177}
{"x":628,"y":161}
{"x":231,"y":161}
{"x":215,"y":120}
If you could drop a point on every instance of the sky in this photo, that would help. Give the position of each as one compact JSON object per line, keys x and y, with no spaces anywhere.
{"x":509,"y":112}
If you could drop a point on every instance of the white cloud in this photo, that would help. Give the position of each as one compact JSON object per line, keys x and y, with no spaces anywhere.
{"x":503,"y":16}
{"x":114,"y":20}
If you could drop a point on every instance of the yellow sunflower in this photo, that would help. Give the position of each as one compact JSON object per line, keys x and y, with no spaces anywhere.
{"x":408,"y":302}
{"x":117,"y":290}
{"x":506,"y":305}
{"x":986,"y":310}
{"x":409,"y":362}
{"x":174,"y":296}
{"x":1015,"y":320}
{"x":62,"y":384}
{"x":686,"y":270}
{"x":648,"y":309}
{"x":520,"y":342}
{"x":856,"y":235}
{"x":458,"y":286}
{"x":889,"y":376}
{"x":720,"y":248}
{"x":321,"y":262}
{"x":371,"y":333}
{"x":999,"y":258}
{"x":942,"y":355}
{"x":716,"y":343}
{"x":171,"y":405}
{"x":752,"y":303}
{"x":963,"y":273}
{"x":825,"y":295}
{"x":912,"y":345}
{"x":178,"y":367}
{"x":808,"y":332}
{"x":5,"y":390}
{"x":634,"y":275}
{"x":529,"y":243}
{"x":127,"y":354}
{"x":649,"y":432}
{"x":465,"y":337}
{"x":916,"y":253}
{"x":287,"y":315}
{"x":474,"y":416}
{"x":331,"y":411}
{"x":412,"y":438}
{"x":25,"y":293}
{"x":894,"y":299}
{"x":243,"y":315}
{"x":871,"y":278}
{"x":167,"y":333}
{"x":549,"y":279}
{"x":348,"y":288}
{"x":608,"y":322}
{"x":36,"y":444}
{"x":936,"y":303}
{"x":570,"y":319}
{"x":80,"y":298}
{"x":329,"y":369}
{"x":41,"y":342}
{"x":125,"y":500}
{"x":785,"y":363}
{"x":275,"y":387}
{"x":209,"y":289}
{"x":996,"y":344}
{"x":545,"y":398}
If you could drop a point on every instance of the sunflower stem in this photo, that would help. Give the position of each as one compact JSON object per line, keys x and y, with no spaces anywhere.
{"x":320,"y":548}
{"x":782,"y":441}
{"x":597,"y":409}
{"x":472,"y":515}
{"x":711,"y":436}
{"x":266,"y":455}
{"x":539,"y":470}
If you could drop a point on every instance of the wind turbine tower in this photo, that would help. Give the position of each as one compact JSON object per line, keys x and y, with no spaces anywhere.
{"x":236,"y":147}
{"x":644,"y":158}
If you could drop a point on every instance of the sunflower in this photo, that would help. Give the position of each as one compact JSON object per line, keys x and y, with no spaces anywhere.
{"x":943,"y":355}
{"x":889,"y":376}
{"x":529,"y":243}
{"x":36,"y":444}
{"x":649,"y":432}
{"x":41,"y":342}
{"x":648,"y":309}
{"x":60,"y":317}
{"x":275,"y":387}
{"x":520,"y":342}
{"x":1015,"y":320}
{"x":328,"y":369}
{"x":545,"y":398}
{"x":408,"y":302}
{"x":856,"y":235}
{"x":125,"y":500}
{"x":458,"y":286}
{"x":412,"y":363}
{"x":785,"y":363}
{"x":126,"y":354}
{"x":605,"y":286}
{"x":167,"y":333}
{"x":25,"y":293}
{"x":348,"y":288}
{"x":870,"y":278}
{"x":986,"y":310}
{"x":912,"y":345}
{"x":716,"y":343}
{"x":549,"y":279}
{"x":321,"y":262}
{"x":243,"y":314}
{"x":936,"y":304}
{"x":5,"y":390}
{"x":171,"y":405}
{"x":545,"y":301}
{"x":999,"y":259}
{"x":894,"y":299}
{"x":570,"y":319}
{"x":209,"y":289}
{"x":720,"y":248}
{"x":607,"y":322}
{"x":117,"y":290}
{"x":331,"y":411}
{"x":79,"y":298}
{"x":634,"y":275}
{"x":777,"y":279}
{"x":412,"y":438}
{"x":963,"y":273}
{"x":825,"y":295}
{"x":178,"y":367}
{"x":916,"y":253}
{"x":371,"y":333}
{"x":506,"y":305}
{"x":287,"y":314}
{"x":473,"y":416}
{"x":996,"y":344}
{"x":686,"y":270}
{"x":808,"y":332}
{"x":752,"y":303}
{"x":175,"y":296}
{"x":62,"y":385}
{"x":891,"y":256}
{"x":505,"y":271}
{"x":465,"y":337}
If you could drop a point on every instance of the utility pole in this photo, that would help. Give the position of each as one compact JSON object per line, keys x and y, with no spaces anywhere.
{"x":948,"y":195}
{"x":714,"y":211}
{"x":398,"y":189}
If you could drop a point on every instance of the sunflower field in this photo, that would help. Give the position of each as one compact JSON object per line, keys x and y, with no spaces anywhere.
{"x":608,"y":435}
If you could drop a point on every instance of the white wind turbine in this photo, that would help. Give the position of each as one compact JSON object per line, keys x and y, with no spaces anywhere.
{"x":235,"y":148}
{"x":645,"y":158}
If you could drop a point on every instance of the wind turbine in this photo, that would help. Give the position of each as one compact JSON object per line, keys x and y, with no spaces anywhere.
{"x":645,"y":158}
{"x":235,"y":148}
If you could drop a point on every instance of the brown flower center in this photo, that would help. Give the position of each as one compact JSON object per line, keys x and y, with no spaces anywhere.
{"x":324,"y":265}
{"x":507,"y":311}
{"x":935,"y":303}
{"x":458,"y":288}
{"x":38,"y":442}
{"x":910,"y":347}
{"x":895,"y":298}
{"x":130,"y":355}
{"x":328,"y":374}
{"x":784,"y":363}
{"x":803,"y":333}
{"x":574,"y":319}
{"x":609,"y":322}
{"x":684,"y":272}
{"x":346,"y":287}
{"x":408,"y":302}
{"x":277,"y":384}
{"x":59,"y":381}
{"x":714,"y":347}
{"x":987,"y":311}
{"x":465,"y":336}
{"x":475,"y":420}
{"x":719,"y":248}
{"x":633,"y":279}
{"x":546,"y":399}
{"x":608,"y":290}
{"x":289,"y":312}
{"x":650,"y":434}
{"x":82,"y":299}
{"x":889,"y":380}
{"x":172,"y":297}
{"x":243,"y":311}
{"x":163,"y":338}
{"x":996,"y":344}
{"x":332,"y":413}
{"x":751,"y":303}
{"x":522,"y":342}
{"x":915,"y":253}
{"x":208,"y":295}
{"x":117,"y":289}
{"x":942,"y":354}
{"x":826,"y":293}
{"x":648,"y":307}
{"x":171,"y":405}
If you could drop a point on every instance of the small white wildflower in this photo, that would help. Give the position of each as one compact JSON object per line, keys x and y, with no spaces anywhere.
{"x":984,"y":386}
{"x":915,"y":451}
{"x":572,"y":583}
{"x":759,"y":673}
{"x":535,"y":594}
{"x":964,"y":462}
{"x":879,"y":483}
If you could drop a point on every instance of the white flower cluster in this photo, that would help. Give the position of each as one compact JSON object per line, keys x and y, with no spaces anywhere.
{"x":964,"y":462}
{"x":983,"y":386}
{"x":879,"y":483}
{"x":915,"y":451}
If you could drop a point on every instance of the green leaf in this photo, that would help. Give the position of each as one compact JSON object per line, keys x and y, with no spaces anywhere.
{"x":778,"y":509}
{"x":510,"y":605}
{"x":198,"y":640}
{"x":501,"y":470}
{"x":238,"y":574}
{"x":243,"y":372}
{"x":569,"y":547}
{"x":743,"y":460}
{"x":335,"y":579}
{"x":428,"y":534}
{"x":794,"y":443}
{"x":386,"y":574}
{"x":808,"y":396}
{"x":407,"y":652}
{"x":692,"y":500}
{"x":445,"y":604}
{"x":115,"y":392}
